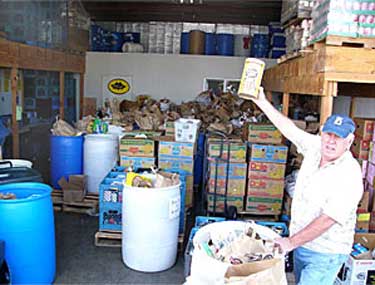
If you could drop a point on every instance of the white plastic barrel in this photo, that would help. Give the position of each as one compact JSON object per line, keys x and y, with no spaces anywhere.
{"x":99,"y":157}
{"x":150,"y":220}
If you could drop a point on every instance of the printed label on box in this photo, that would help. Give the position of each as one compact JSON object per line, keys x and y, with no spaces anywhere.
{"x":235,"y":169}
{"x":231,"y":201}
{"x":264,"y":170}
{"x":181,"y":149}
{"x":262,"y":133}
{"x":237,"y":151}
{"x":137,"y":147}
{"x":269,"y":153}
{"x":266,"y":188}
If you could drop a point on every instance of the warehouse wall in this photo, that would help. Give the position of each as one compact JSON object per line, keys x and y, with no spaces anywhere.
{"x":364,"y":107}
{"x":177,"y":77}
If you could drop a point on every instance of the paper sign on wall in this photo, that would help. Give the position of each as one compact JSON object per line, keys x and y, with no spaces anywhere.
{"x":117,"y":86}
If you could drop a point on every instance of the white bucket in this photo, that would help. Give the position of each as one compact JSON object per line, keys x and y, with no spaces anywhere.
{"x":150,"y":221}
{"x":100,"y":156}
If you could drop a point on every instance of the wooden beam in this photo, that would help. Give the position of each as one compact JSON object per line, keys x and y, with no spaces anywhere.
{"x":62,"y":90}
{"x":286,"y":97}
{"x":15,"y":135}
{"x":81,"y":94}
{"x":326,"y":104}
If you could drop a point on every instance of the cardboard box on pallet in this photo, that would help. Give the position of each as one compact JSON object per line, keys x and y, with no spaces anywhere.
{"x":176,"y":163}
{"x":363,"y":222}
{"x":365,"y":128}
{"x":237,"y":150}
{"x":261,"y":133}
{"x":363,"y":205}
{"x":236,"y":185}
{"x":269,"y":153}
{"x":75,"y":189}
{"x":263,"y":205}
{"x":231,"y":201}
{"x":265,"y":170}
{"x":359,"y":270}
{"x":370,"y":173}
{"x":265,"y":188}
{"x":169,"y":147}
{"x":235,"y":169}
{"x":137,"y":162}
{"x":360,"y":149}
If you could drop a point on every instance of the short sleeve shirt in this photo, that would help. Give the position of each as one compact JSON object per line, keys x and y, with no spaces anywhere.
{"x":334,"y":189}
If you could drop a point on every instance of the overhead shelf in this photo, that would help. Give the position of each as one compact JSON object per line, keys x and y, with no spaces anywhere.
{"x":320,"y":72}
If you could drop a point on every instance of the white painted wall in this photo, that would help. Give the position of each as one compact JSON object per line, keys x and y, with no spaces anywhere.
{"x":173,"y":76}
{"x":364,"y":107}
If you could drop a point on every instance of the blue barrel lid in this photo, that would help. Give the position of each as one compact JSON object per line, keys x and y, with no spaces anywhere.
{"x":26,"y":192}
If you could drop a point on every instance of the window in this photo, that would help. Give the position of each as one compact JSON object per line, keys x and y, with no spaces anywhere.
{"x":220,"y":85}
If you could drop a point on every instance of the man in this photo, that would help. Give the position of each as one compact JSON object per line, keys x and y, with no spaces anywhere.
{"x":327,"y":192}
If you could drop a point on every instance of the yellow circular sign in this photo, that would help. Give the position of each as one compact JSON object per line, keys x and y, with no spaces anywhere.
{"x":118,"y":86}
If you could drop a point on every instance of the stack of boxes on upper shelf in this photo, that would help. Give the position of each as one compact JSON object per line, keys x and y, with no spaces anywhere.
{"x":362,"y":149}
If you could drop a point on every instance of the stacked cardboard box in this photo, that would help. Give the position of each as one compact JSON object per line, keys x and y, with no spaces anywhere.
{"x":361,"y":150}
{"x":176,"y":156}
{"x":227,"y":174}
{"x":137,"y":149}
{"x":265,"y":187}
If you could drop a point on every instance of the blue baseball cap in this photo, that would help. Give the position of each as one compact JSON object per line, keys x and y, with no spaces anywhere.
{"x":340,"y":125}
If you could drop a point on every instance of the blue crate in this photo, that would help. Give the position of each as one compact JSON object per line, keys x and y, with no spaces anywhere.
{"x":203,"y":220}
{"x":110,"y":218}
{"x":278,"y":227}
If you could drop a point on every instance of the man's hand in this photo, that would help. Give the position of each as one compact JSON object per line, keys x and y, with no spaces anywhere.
{"x":261,"y":96}
{"x":284,"y":245}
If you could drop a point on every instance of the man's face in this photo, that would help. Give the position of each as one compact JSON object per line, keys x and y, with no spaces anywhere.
{"x":333,"y":146}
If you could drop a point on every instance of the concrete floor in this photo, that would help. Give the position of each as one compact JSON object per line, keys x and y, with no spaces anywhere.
{"x":79,"y":261}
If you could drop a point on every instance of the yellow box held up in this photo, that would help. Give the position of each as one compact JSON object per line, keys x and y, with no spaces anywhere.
{"x":251,"y":78}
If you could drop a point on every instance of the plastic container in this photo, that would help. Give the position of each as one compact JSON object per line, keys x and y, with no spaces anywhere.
{"x":100,"y":156}
{"x":66,"y":157}
{"x":150,"y":227}
{"x":225,"y":44}
{"x":210,"y":44}
{"x":29,"y":233}
{"x":117,"y":40}
{"x":184,"y":43}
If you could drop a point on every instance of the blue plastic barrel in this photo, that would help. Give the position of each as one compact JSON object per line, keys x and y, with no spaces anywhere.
{"x":117,"y":40}
{"x":210,"y":44}
{"x":132,"y":38}
{"x":225,"y":44}
{"x":66,"y":157}
{"x":27,"y":227}
{"x":185,"y":39}
{"x":198,"y":160}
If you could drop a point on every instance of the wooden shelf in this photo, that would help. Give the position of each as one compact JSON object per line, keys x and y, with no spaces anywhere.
{"x":320,"y":71}
{"x":13,"y":54}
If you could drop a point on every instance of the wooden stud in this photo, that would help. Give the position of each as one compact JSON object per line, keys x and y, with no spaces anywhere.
{"x":81,"y":94}
{"x":286,"y":97}
{"x":352,"y":107}
{"x":15,"y":136}
{"x":62,"y":90}
{"x":326,"y":104}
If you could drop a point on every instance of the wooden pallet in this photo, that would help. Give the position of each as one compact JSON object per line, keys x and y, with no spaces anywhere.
{"x":345,"y":42}
{"x":108,"y":239}
{"x":295,"y":54}
{"x":89,"y":205}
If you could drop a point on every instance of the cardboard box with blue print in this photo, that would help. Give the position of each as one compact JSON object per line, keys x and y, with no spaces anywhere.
{"x":176,"y":163}
{"x":237,"y":152}
{"x":269,"y":153}
{"x":262,"y":133}
{"x":137,"y":147}
{"x":231,"y":201}
{"x":265,"y":188}
{"x":265,"y":170}
{"x":137,"y":162}
{"x":169,"y":147}
{"x":359,"y":270}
